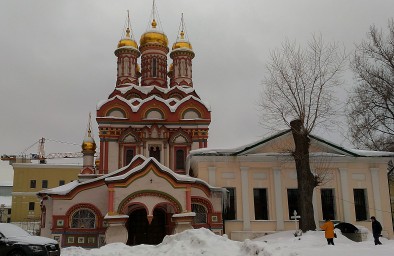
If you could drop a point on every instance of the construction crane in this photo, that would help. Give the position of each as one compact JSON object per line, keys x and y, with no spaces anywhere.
{"x":40,"y":155}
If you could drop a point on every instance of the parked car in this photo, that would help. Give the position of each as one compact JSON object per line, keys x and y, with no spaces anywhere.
{"x":14,"y":241}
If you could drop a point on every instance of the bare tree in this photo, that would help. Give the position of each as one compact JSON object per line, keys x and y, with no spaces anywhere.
{"x":298,"y":93}
{"x":371,"y":104}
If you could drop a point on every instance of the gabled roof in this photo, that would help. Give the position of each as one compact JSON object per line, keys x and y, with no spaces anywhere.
{"x":122,"y":174}
{"x":323,"y":143}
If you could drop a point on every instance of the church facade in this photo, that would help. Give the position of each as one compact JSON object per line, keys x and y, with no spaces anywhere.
{"x":155,"y":175}
{"x":138,"y":190}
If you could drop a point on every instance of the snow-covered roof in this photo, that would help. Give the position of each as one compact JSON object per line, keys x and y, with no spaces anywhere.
{"x":6,"y":200}
{"x":248,"y":147}
{"x":178,"y":177}
{"x":5,"y":183}
{"x":136,"y":103}
{"x":113,"y":176}
{"x":147,"y":89}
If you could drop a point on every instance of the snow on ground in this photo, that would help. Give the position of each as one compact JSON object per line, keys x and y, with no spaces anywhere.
{"x":204,"y":242}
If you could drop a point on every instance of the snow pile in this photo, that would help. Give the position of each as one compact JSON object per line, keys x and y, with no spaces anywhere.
{"x":204,"y":242}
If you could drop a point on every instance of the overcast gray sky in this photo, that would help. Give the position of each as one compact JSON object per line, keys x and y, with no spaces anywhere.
{"x":57,"y":61}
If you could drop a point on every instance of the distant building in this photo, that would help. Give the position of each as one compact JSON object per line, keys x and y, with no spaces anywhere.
{"x":5,"y":201}
{"x":29,"y":178}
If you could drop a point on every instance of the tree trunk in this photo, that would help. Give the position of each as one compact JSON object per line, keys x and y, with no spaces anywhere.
{"x":305,"y":178}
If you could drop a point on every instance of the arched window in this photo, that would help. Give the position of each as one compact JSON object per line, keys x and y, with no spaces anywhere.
{"x":83,"y":218}
{"x":154,"y":114}
{"x":116,"y":112}
{"x":191,"y":114}
{"x":201,"y":214}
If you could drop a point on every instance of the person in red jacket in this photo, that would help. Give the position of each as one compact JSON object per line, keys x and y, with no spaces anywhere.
{"x":329,"y":233}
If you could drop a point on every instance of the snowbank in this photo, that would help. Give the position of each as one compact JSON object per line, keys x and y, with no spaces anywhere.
{"x":204,"y":242}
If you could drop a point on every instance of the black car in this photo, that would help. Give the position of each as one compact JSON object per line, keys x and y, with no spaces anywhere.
{"x":15,"y":241}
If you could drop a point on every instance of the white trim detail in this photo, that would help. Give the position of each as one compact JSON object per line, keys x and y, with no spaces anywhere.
{"x":280,"y":223}
{"x":376,"y":193}
{"x":245,"y":198}
{"x":345,"y":194}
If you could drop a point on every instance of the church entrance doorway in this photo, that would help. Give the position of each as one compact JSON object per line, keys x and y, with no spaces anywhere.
{"x":141,"y":232}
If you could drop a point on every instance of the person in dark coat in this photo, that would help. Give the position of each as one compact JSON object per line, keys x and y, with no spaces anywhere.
{"x":376,"y":230}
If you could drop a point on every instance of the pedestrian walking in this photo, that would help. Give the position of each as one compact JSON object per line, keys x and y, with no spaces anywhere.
{"x":376,"y":230}
{"x":329,"y":233}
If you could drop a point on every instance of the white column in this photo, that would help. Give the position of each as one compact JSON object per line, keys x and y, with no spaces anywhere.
{"x":376,"y":193}
{"x":345,"y":194}
{"x":280,"y":224}
{"x":315,"y":205}
{"x":245,"y":198}
{"x":212,"y":176}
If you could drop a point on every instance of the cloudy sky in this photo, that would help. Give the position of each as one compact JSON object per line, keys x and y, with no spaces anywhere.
{"x":57,"y":61}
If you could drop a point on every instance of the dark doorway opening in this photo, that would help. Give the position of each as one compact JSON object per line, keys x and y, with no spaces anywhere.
{"x":141,"y":232}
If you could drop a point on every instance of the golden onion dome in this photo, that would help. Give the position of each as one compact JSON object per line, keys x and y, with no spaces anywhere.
{"x":182,"y":43}
{"x":97,"y":162}
{"x":171,"y":67}
{"x":88,"y":143}
{"x":127,"y":41}
{"x":154,"y":36}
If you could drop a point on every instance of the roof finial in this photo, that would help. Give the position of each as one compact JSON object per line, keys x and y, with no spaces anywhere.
{"x":154,"y":15}
{"x":90,"y":125}
{"x":182,"y":28}
{"x":128,"y":24}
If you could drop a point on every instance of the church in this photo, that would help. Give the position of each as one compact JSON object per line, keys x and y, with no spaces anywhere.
{"x":155,"y":175}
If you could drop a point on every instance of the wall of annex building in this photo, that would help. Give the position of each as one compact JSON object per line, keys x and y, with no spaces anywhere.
{"x":24,"y":193}
{"x":97,"y":196}
{"x":343,"y":176}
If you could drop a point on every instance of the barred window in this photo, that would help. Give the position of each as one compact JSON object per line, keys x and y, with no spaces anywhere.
{"x":201,"y":214}
{"x":83,"y":218}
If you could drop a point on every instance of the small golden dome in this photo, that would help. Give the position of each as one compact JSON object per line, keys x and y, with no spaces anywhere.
{"x":154,"y":36}
{"x":127,"y":41}
{"x":182,"y":43}
{"x":88,"y":144}
{"x":171,"y":67}
{"x":97,"y":162}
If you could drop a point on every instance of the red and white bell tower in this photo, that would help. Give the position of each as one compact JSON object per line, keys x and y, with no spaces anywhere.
{"x":127,"y":53}
{"x":182,"y":54}
{"x":153,"y":118}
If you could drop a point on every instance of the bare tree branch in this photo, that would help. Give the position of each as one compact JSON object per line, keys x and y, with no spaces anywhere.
{"x":370,"y":106}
